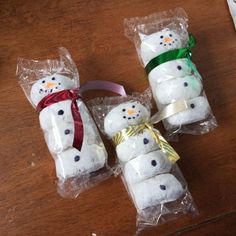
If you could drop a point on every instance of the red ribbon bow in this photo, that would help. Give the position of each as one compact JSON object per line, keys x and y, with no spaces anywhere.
{"x":73,"y":95}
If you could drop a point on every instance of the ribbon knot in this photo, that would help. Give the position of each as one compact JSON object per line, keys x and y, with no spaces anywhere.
{"x":73,"y":95}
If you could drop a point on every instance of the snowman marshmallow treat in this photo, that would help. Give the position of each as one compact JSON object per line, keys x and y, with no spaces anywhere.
{"x":58,"y":123}
{"x":146,"y":168}
{"x":174,"y":79}
{"x":164,"y":48}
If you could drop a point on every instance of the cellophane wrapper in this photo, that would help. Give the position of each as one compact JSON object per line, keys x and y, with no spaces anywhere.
{"x":76,"y":170}
{"x":157,"y":213}
{"x":172,"y":80}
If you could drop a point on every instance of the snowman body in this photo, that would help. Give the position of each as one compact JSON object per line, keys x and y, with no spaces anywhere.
{"x":145,"y":167}
{"x":57,"y":123}
{"x":175,"y":79}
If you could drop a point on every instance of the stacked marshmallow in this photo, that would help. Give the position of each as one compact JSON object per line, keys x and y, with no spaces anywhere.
{"x":57,"y":123}
{"x":174,"y":80}
{"x":145,"y":167}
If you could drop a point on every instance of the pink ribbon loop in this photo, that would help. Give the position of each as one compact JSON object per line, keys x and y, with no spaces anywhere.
{"x":103,"y":85}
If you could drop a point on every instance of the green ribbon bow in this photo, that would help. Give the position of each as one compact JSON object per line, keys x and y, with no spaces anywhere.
{"x":173,"y":55}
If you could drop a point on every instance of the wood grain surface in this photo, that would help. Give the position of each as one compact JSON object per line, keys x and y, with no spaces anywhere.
{"x":93,"y":32}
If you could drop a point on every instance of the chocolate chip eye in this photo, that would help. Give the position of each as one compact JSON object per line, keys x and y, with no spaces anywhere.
{"x":160,"y":43}
{"x":60,"y":112}
{"x":162,"y":187}
{"x":133,"y":106}
{"x":179,"y":67}
{"x":129,"y":118}
{"x":192,"y":105}
{"x":124,"y":117}
{"x":77,"y":158}
{"x":170,"y":35}
{"x":67,"y":131}
{"x":123,"y":109}
{"x":154,"y":163}
{"x":145,"y":141}
{"x":161,"y":36}
{"x":43,"y":81}
{"x":53,"y":78}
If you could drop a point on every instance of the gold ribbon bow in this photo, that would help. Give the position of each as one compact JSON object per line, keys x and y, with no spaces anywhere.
{"x":165,"y":147}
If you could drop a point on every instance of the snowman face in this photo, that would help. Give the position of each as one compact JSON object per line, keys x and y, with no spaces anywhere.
{"x":158,"y":43}
{"x":125,"y":115}
{"x":50,"y":84}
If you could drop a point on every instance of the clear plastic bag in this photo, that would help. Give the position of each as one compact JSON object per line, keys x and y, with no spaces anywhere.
{"x":52,"y":87}
{"x":149,"y":172}
{"x":159,"y":39}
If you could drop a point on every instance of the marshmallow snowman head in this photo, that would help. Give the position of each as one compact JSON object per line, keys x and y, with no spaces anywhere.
{"x":49,"y":84}
{"x":125,"y":115}
{"x":157,"y":43}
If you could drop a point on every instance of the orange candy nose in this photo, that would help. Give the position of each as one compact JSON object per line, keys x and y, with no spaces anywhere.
{"x":50,"y":84}
{"x":130,"y":111}
{"x":167,"y":40}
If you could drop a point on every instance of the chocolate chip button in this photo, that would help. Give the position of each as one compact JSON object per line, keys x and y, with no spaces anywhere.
{"x":67,"y":131}
{"x":145,"y":141}
{"x":185,"y":84}
{"x":162,"y":187}
{"x":192,"y":105}
{"x":60,"y":112}
{"x":179,"y":67}
{"x":77,"y":158}
{"x":154,"y":163}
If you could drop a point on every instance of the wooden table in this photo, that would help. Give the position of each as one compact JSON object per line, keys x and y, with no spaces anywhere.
{"x":93,"y":33}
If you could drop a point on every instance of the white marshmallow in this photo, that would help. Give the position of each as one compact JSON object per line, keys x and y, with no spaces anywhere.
{"x":171,"y":70}
{"x":146,"y":166}
{"x":60,"y":134}
{"x":60,"y":137}
{"x":72,"y":162}
{"x":136,"y":145}
{"x":157,"y":190}
{"x":180,"y":88}
{"x":198,"y":110}
{"x":55,"y":114}
{"x":157,"y":43}
{"x":49,"y":84}
{"x":125,"y":115}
